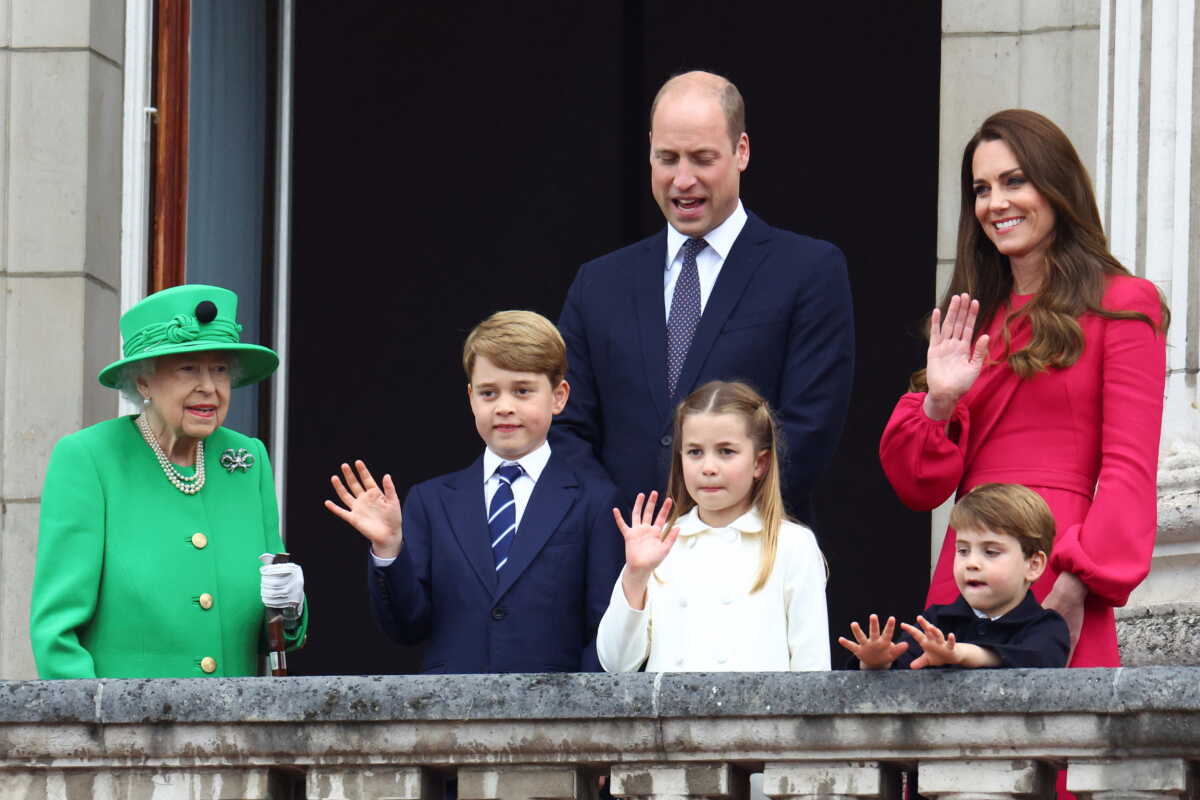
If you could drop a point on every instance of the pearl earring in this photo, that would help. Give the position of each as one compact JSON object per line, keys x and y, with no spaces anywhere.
{"x":146,"y":402}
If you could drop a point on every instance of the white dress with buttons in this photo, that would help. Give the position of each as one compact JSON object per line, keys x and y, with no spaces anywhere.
{"x":701,"y":617}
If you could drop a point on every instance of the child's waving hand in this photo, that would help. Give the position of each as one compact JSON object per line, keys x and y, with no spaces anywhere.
{"x":944,"y":650}
{"x":874,"y":650}
{"x":646,"y":544}
{"x":373,"y":511}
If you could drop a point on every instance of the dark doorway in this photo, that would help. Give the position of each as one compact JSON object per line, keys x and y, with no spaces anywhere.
{"x":453,"y":160}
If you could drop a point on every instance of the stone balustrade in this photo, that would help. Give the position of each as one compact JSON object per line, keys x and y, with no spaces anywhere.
{"x":1125,"y":733}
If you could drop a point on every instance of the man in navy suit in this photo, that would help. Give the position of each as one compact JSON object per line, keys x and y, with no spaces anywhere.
{"x":507,"y":565}
{"x":718,"y":294}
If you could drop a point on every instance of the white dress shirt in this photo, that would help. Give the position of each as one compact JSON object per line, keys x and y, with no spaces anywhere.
{"x":708,"y":262}
{"x":700,"y":616}
{"x":532,"y":465}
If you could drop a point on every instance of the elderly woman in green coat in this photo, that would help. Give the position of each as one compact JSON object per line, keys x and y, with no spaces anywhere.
{"x":153,"y":525}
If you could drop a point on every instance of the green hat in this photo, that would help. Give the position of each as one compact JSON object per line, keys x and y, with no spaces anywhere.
{"x":189,"y":319}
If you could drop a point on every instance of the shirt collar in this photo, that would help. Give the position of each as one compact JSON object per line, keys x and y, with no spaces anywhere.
{"x":690,"y":523}
{"x":720,"y":238}
{"x":533,"y":463}
{"x":1025,"y":611}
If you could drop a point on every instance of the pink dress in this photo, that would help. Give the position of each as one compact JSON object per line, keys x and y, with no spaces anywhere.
{"x":1085,"y":438}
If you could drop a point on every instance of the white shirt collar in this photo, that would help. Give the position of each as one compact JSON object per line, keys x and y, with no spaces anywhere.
{"x":690,"y":523}
{"x":982,"y":615}
{"x":720,"y":238}
{"x":533,"y":463}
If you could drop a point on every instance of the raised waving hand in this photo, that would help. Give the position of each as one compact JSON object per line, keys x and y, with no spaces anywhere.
{"x":952,"y":364}
{"x":940,"y":649}
{"x":874,"y":650}
{"x":647,"y":542}
{"x":372,"y":511}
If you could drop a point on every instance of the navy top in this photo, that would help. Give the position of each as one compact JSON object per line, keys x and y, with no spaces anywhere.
{"x":1027,"y":636}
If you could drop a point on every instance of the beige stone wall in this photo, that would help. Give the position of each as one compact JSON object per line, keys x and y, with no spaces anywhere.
{"x":1035,"y":54}
{"x":60,"y":202}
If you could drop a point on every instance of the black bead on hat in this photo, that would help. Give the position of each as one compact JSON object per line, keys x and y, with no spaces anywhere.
{"x":206,"y":311}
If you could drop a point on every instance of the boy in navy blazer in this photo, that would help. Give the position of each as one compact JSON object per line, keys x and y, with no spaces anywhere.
{"x":1004,"y":533}
{"x":506,"y":566}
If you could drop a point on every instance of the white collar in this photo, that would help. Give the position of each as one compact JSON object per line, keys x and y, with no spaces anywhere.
{"x":690,"y":523}
{"x":720,"y":238}
{"x":982,"y":615}
{"x":533,"y":462}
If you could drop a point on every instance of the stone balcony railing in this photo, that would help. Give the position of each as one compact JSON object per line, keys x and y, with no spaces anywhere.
{"x":1124,"y":733}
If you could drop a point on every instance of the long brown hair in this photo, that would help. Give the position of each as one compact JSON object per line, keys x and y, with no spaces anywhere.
{"x":1078,"y":259}
{"x":766,"y":496}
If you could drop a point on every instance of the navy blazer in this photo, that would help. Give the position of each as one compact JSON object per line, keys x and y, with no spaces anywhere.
{"x":1027,"y":636}
{"x":779,"y":318}
{"x":540,"y":613}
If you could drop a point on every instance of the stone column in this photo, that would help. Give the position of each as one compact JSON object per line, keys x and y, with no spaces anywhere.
{"x":372,"y":783}
{"x":1148,"y":182}
{"x":526,"y":783}
{"x":60,"y":211}
{"x":678,"y":782}
{"x":831,"y":780}
{"x":985,"y":780}
{"x":1133,"y":779}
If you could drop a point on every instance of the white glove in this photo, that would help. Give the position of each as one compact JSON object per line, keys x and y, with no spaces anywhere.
{"x":282,"y":585}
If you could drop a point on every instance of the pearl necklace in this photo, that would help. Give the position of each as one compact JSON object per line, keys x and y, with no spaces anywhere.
{"x":188,"y":484}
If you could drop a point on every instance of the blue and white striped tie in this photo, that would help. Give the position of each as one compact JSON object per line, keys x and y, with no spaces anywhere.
{"x":502,"y":514}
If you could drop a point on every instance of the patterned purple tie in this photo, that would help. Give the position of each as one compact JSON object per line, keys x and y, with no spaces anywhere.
{"x":685,"y":313}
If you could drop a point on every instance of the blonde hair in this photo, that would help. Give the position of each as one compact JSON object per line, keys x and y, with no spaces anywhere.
{"x":520,"y":341}
{"x":766,"y":496}
{"x":1007,"y":508}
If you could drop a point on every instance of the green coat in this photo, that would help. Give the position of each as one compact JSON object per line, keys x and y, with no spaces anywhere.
{"x":121,"y":577}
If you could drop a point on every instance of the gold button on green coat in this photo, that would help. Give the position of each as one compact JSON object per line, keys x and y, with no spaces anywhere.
{"x":199,"y":541}
{"x":206,"y":601}
{"x":208,"y":664}
{"x":114,"y":593}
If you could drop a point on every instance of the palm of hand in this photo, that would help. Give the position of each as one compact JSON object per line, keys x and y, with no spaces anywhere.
{"x":954,"y":361}
{"x":375,"y":515}
{"x":645,"y":547}
{"x":950,"y":369}
{"x":374,"y":512}
{"x":647,"y":540}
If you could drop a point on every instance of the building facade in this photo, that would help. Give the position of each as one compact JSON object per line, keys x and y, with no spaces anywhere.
{"x":1120,"y":76}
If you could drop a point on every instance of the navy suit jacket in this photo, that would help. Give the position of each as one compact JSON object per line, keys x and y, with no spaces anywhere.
{"x":1027,"y":636}
{"x":779,"y":318}
{"x":540,"y":613}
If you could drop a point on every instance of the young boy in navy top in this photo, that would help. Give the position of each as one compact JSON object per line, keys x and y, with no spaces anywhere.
{"x":506,"y":566}
{"x":1004,"y":535}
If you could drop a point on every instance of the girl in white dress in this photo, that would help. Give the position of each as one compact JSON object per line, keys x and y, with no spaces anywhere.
{"x":719,"y":579}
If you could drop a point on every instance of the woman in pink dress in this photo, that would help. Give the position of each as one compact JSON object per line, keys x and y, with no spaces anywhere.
{"x":1062,"y":391}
